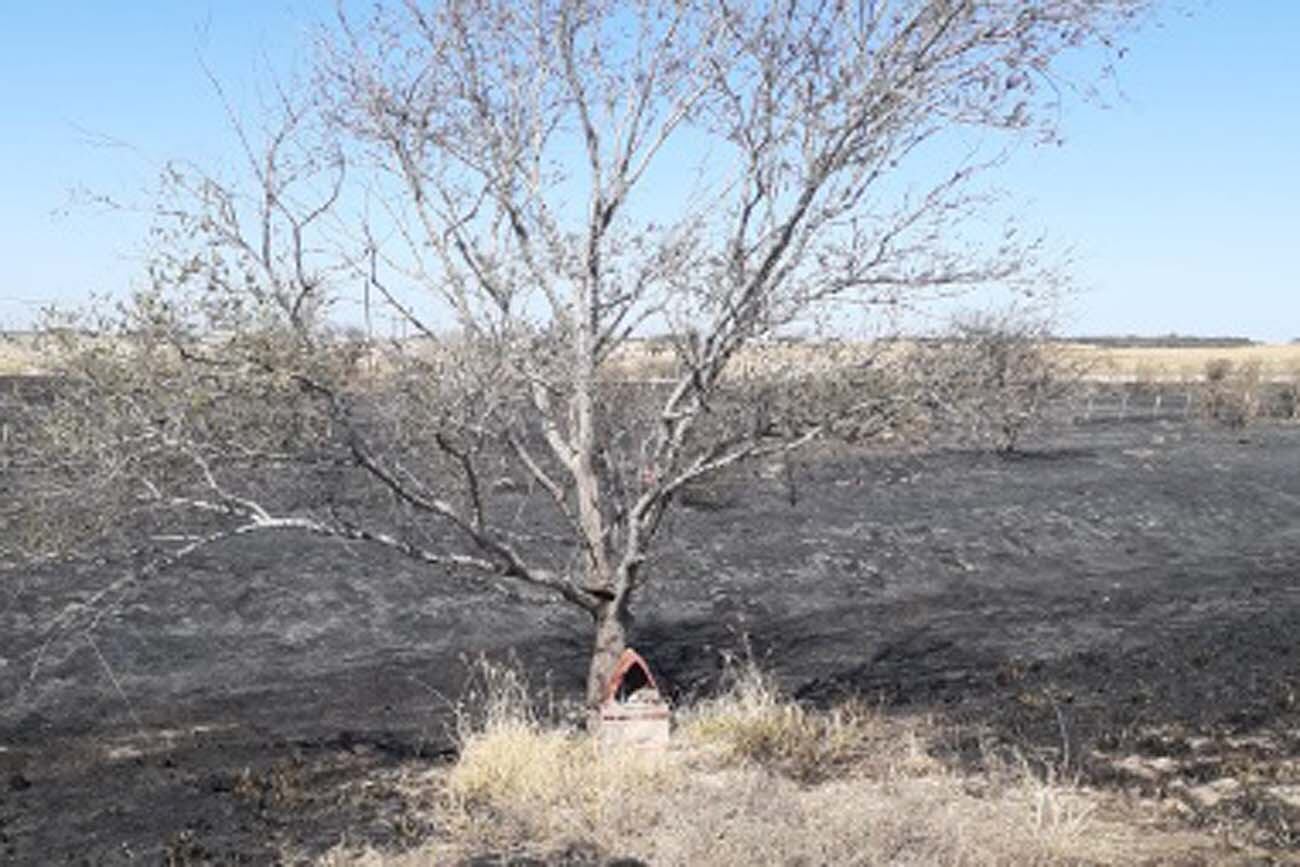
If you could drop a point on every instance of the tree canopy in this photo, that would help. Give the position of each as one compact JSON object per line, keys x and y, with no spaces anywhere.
{"x":530,"y":190}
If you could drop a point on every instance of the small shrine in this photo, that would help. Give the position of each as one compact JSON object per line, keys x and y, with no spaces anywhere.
{"x":633,"y":712}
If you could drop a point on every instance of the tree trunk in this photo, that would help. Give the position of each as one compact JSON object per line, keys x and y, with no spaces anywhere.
{"x":611,"y":639}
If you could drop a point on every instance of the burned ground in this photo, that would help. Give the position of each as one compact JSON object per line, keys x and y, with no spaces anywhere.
{"x":1121,"y":602}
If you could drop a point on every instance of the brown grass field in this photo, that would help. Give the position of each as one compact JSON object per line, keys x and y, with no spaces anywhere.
{"x":643,"y":359}
{"x":1276,"y":360}
{"x":18,"y":356}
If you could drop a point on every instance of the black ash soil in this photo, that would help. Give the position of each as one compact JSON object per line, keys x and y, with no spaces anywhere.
{"x":1123,"y":590}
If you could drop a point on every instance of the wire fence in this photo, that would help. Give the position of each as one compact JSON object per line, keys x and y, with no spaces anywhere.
{"x":1124,"y":405}
{"x":1185,"y":401}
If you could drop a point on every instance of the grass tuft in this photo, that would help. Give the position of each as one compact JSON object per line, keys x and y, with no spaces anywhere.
{"x":754,"y":723}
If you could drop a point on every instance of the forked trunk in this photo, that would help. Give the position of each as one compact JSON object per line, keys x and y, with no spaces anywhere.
{"x":611,"y":639}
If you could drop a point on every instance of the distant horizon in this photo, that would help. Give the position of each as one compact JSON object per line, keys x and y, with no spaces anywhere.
{"x":1168,"y":339}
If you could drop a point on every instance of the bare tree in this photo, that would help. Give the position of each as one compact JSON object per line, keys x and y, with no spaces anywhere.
{"x":525,"y":189}
{"x":1006,"y":376}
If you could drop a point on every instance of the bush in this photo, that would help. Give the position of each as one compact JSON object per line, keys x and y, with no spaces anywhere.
{"x":1231,"y":392}
{"x":1286,"y":398}
{"x":1002,"y":376}
{"x":1286,"y":403}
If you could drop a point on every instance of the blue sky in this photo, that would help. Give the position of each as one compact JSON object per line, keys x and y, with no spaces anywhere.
{"x":1181,"y":201}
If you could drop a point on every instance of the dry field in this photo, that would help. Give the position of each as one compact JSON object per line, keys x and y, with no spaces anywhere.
{"x":654,"y":359}
{"x":18,"y":356}
{"x":649,"y":360}
{"x":1277,"y":361}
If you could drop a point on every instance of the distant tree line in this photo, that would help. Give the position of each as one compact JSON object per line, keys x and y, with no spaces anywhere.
{"x":1132,"y":341}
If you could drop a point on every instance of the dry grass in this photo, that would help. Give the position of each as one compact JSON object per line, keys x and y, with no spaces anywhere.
{"x":18,"y":355}
{"x":1280,"y":360}
{"x":753,"y":724}
{"x":640,"y":359}
{"x":650,"y":360}
{"x":753,"y":778}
